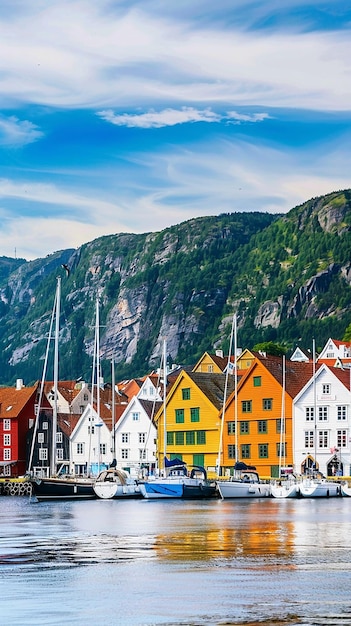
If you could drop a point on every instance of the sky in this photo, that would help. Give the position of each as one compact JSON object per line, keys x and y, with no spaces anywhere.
{"x":136,"y":115}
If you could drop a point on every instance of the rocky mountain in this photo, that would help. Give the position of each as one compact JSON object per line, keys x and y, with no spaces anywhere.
{"x":287,"y":277}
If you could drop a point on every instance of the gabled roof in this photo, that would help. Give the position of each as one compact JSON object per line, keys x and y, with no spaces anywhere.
{"x":68,"y":389}
{"x":150,"y":407}
{"x":212,"y":386}
{"x":297,"y":373}
{"x":13,"y":401}
{"x":67,"y":422}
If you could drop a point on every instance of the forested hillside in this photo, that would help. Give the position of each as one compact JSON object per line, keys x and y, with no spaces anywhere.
{"x":287,"y":277}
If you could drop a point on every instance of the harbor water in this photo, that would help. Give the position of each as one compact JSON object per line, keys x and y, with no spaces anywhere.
{"x":156,"y":563}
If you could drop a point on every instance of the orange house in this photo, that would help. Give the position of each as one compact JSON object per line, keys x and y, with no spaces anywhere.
{"x":262,"y":415}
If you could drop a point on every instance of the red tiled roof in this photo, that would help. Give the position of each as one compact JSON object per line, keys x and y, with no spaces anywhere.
{"x":13,"y":400}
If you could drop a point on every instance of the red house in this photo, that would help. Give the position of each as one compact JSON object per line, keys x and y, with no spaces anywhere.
{"x":17,"y":415}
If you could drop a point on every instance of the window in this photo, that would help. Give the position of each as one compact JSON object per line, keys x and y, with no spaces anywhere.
{"x":102,"y":448}
{"x":85,"y":397}
{"x":309,"y":413}
{"x":7,"y":440}
{"x":125,"y":437}
{"x":195,"y":414}
{"x":263,"y":450}
{"x":262,"y":426}
{"x":267,"y":404}
{"x":244,"y":428}
{"x":7,"y":424}
{"x":323,"y":439}
{"x":231,"y":451}
{"x":43,"y":454}
{"x":246,"y":451}
{"x":80,"y":448}
{"x":231,"y":428}
{"x":257,"y":381}
{"x":246,"y":406}
{"x":124,"y":454}
{"x":341,"y":438}
{"x":326,"y":389}
{"x":179,"y":416}
{"x":170,"y":438}
{"x":142,"y":455}
{"x":59,"y":454}
{"x":341,"y":412}
{"x":323,"y":413}
{"x":135,"y":417}
{"x":142,"y":437}
{"x":7,"y":454}
{"x":210,"y":369}
{"x":179,"y":438}
{"x":45,"y":425}
{"x":186,"y":394}
{"x":283,"y":452}
{"x":190,"y":438}
{"x":309,"y":439}
{"x":280,"y":425}
{"x":201,"y":437}
{"x":199,"y":459}
{"x":41,"y":438}
{"x":91,"y":429}
{"x":58,"y":437}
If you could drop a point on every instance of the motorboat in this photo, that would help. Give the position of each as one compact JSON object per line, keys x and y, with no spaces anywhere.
{"x":319,"y":488}
{"x":116,"y":483}
{"x":245,"y":483}
{"x":179,"y":483}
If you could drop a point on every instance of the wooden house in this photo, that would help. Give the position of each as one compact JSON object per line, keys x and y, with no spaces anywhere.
{"x":189,"y":428}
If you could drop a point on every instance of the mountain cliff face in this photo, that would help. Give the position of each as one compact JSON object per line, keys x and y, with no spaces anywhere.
{"x":287,"y":277}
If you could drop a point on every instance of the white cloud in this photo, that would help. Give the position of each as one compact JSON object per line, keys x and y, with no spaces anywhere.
{"x":154,"y":119}
{"x":49,"y":56}
{"x":15,"y":132}
{"x":247,"y":117}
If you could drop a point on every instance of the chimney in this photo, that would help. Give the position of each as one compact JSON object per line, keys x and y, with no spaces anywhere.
{"x":219,"y":353}
{"x":19,"y":384}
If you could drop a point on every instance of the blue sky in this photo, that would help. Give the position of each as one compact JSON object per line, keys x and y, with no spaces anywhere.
{"x":131,"y":116}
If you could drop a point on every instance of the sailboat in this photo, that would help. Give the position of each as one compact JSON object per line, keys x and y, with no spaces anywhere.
{"x":245,"y":483}
{"x":177,"y":481}
{"x":56,"y":487}
{"x":287,"y":485}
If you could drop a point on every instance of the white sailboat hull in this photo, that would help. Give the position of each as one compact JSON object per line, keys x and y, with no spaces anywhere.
{"x":241,"y":489}
{"x":310,"y":488}
{"x":285,"y":490}
{"x":346,"y":490}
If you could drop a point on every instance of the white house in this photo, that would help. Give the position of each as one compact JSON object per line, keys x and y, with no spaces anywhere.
{"x":321,"y":423}
{"x":135,"y":436}
{"x":91,"y":443}
{"x":336,"y":350}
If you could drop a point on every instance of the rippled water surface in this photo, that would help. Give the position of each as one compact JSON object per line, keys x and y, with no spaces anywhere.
{"x":148,"y":563}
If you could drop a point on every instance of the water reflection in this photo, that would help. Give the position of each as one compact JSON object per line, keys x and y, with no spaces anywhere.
{"x":202,"y":563}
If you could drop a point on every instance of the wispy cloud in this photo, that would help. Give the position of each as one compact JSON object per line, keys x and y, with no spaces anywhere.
{"x":15,"y":132}
{"x":171,"y":117}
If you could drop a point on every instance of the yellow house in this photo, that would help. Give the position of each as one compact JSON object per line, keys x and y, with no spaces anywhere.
{"x":192,"y":420}
{"x":211,"y":363}
{"x":263,"y":415}
{"x":245,"y":359}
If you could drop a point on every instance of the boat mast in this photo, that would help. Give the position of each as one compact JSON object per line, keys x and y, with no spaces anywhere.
{"x":314,"y":404}
{"x":99,"y":423}
{"x":220,"y":449}
{"x":113,"y":410}
{"x":54,"y":412}
{"x":282,"y":422}
{"x":164,"y":404}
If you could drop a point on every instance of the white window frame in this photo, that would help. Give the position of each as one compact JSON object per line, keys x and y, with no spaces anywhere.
{"x":41,"y":437}
{"x":125,"y":437}
{"x":7,"y":439}
{"x":323,"y":439}
{"x":7,"y":454}
{"x":309,"y":413}
{"x":323,"y":413}
{"x":59,"y":454}
{"x":7,"y":424}
{"x":80,"y":448}
{"x":43,"y":454}
{"x":341,"y":412}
